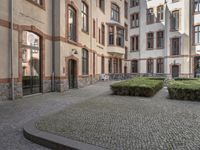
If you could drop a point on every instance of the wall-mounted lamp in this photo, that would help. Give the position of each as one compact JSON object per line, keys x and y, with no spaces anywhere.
{"x":174,"y":62}
{"x":74,"y":51}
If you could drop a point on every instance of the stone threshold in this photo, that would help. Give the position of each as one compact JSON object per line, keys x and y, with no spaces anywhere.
{"x":53,"y":141}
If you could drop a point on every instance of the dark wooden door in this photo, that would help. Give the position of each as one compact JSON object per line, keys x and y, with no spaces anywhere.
{"x":72,"y":73}
{"x":175,"y":71}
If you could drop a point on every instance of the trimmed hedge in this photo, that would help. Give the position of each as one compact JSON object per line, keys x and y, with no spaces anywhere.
{"x":181,"y":79}
{"x":140,"y":86}
{"x":184,"y":89}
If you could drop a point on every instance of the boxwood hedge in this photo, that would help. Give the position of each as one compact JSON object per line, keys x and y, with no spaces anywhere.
{"x":184,"y":89}
{"x":139,"y":86}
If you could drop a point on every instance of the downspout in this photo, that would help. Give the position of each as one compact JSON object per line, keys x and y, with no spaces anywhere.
{"x":190,"y":40}
{"x":91,"y":36}
{"x":11,"y":50}
{"x":53,"y":47}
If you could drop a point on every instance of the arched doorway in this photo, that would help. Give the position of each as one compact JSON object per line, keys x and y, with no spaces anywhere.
{"x":175,"y":71}
{"x":31,"y":63}
{"x":72,"y":73}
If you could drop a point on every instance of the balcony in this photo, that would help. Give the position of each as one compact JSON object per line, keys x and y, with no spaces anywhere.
{"x":116,"y":50}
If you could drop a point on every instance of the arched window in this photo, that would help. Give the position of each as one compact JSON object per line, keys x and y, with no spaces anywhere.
{"x":85,"y":17}
{"x":72,"y":24}
{"x":85,"y":60}
{"x":115,"y":14}
{"x":31,"y":63}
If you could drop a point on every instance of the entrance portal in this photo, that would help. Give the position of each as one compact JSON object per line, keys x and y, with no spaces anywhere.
{"x":31,"y":64}
{"x":72,"y":73}
{"x":175,"y":71}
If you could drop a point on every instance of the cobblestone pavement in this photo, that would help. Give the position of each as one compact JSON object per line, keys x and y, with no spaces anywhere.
{"x":130,"y":123}
{"x":14,"y":114}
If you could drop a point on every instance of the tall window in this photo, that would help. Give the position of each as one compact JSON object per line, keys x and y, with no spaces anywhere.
{"x":135,"y":20}
{"x":150,"y":40}
{"x":126,"y":32}
{"x":175,"y":46}
{"x":134,"y":3}
{"x":85,"y":17}
{"x":126,"y":53}
{"x":196,"y":6}
{"x":135,"y":43}
{"x":99,"y":35}
{"x":197,"y":34}
{"x":85,"y":60}
{"x":71,"y":23}
{"x":110,"y":65}
{"x":150,"y":16}
{"x":102,"y":65}
{"x":102,"y":34}
{"x":134,"y":66}
{"x":111,"y":35}
{"x":102,"y":5}
{"x":115,"y":15}
{"x":160,"y":13}
{"x":120,"y":37}
{"x":160,"y":39}
{"x":175,"y":20}
{"x":120,"y":65}
{"x":160,"y":65}
{"x":115,"y":65}
{"x":94,"y":28}
{"x":125,"y":9}
{"x":150,"y":66}
{"x":94,"y":63}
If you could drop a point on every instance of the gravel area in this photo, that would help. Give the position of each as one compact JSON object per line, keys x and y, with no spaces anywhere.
{"x":129,"y":123}
{"x":14,"y":114}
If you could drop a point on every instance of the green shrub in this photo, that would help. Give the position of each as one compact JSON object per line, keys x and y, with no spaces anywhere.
{"x":157,"y":78}
{"x":140,"y":86}
{"x":180,"y":79}
{"x":184,"y":89}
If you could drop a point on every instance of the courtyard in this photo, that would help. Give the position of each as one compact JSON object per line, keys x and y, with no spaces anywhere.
{"x":129,"y":123}
{"x":93,"y":115}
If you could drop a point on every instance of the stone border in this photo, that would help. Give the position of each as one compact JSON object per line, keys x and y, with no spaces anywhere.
{"x":53,"y":141}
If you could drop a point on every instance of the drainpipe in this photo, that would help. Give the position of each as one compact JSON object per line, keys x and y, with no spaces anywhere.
{"x":53,"y":47}
{"x":11,"y":50}
{"x":190,"y":40}
{"x":91,"y":36}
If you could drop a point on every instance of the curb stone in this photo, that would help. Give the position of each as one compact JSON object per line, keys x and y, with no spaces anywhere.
{"x":53,"y":141}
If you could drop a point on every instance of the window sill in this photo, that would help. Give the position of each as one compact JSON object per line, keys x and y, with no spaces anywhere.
{"x":150,"y":23}
{"x":132,"y":51}
{"x":115,"y":20}
{"x":134,"y":27}
{"x":160,"y":48}
{"x":173,"y":30}
{"x":86,"y":32}
{"x":150,"y":49}
{"x":72,"y":42}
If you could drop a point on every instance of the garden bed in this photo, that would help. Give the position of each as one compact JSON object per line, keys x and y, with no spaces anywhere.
{"x":141,"y":86}
{"x":184,"y":89}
